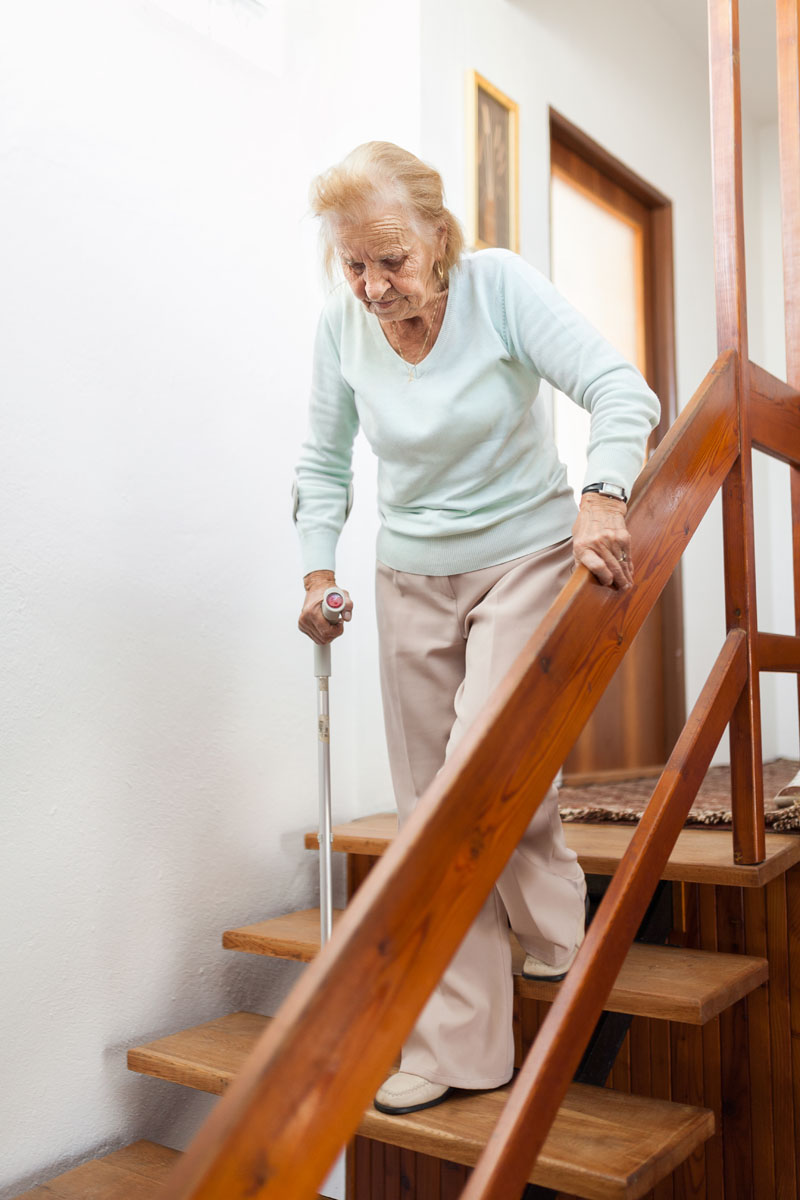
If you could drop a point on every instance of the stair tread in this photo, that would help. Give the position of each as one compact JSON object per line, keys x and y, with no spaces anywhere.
{"x":664,"y":982}
{"x":699,"y":855}
{"x":136,"y":1172}
{"x":604,"y":1145}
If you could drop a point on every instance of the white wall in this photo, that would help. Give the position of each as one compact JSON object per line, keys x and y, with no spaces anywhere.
{"x":160,"y":295}
{"x":608,"y":68}
{"x":773,"y":512}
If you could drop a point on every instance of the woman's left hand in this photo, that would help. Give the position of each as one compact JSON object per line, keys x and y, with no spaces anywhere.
{"x":601,"y":542}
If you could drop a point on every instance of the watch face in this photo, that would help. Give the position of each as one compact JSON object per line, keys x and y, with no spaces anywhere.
{"x":608,"y":489}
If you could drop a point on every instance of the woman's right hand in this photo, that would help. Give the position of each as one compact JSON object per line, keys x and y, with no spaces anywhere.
{"x":312,"y":623}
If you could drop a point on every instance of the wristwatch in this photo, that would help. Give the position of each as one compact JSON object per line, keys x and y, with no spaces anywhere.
{"x":607,"y":489}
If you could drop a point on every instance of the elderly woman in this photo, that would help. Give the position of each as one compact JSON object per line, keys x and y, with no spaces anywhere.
{"x":438,"y":355}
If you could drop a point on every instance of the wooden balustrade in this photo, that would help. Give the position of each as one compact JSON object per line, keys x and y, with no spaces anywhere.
{"x":554,"y":1057}
{"x":301,"y":1095}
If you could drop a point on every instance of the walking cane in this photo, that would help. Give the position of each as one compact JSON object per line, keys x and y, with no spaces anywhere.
{"x":332,"y":606}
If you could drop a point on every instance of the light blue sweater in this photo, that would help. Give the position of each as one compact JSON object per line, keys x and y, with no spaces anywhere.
{"x":468,"y":473}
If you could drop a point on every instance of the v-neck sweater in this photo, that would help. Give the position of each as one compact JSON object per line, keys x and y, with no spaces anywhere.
{"x":468,"y":471}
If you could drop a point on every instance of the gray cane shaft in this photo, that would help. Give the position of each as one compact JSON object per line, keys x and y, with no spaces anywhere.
{"x":324,"y":837}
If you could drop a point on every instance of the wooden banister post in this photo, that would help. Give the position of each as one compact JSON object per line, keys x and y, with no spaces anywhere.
{"x":789,"y":124}
{"x":737,"y":498}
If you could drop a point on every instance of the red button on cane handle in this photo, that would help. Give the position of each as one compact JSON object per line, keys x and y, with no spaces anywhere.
{"x":332,"y":605}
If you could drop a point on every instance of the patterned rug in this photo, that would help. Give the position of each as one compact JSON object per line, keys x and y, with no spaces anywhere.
{"x":624,"y":802}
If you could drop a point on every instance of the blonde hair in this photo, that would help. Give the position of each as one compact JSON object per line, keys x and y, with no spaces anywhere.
{"x":381,"y":173}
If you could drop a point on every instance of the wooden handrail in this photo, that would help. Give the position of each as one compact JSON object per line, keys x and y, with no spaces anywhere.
{"x":301,"y":1094}
{"x":554,"y":1057}
{"x":774,"y":416}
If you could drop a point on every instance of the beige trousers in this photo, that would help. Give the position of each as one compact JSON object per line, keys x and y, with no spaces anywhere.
{"x":446,"y":641}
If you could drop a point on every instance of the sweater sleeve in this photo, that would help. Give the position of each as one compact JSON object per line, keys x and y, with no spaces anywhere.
{"x":323,"y":474}
{"x":545,"y":332}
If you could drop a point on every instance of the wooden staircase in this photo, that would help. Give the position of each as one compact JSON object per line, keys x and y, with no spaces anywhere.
{"x":603,"y":1145}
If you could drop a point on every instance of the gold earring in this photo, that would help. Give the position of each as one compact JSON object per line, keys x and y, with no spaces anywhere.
{"x":439,"y":271}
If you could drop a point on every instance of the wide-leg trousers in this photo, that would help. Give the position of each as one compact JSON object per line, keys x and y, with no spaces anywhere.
{"x":446,"y":641}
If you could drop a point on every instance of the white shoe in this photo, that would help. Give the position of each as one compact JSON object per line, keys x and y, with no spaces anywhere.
{"x":534,"y":968}
{"x":404,"y":1093}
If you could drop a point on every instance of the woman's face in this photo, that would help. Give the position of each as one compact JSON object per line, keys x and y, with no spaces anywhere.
{"x":389,"y":267}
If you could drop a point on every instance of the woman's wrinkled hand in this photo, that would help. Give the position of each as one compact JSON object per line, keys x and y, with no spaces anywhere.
{"x":311,"y":622}
{"x":601,"y":542}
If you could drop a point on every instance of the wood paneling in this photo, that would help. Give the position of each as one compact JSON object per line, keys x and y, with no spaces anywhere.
{"x":793,"y":970}
{"x":712,"y":1050}
{"x":778,"y":950}
{"x":747,"y":1073}
{"x":759,"y":1052}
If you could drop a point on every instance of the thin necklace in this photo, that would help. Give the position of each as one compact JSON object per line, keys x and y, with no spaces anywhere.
{"x":412,"y":366}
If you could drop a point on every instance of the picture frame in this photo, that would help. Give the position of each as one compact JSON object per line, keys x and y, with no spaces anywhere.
{"x":494,"y":165}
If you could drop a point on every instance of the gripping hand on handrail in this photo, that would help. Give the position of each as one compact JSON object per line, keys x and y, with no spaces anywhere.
{"x":601,"y":541}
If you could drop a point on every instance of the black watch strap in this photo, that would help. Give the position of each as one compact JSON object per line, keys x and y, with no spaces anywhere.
{"x":607,"y":489}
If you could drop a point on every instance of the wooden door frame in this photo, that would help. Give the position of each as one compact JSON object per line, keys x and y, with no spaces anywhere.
{"x":660,"y":373}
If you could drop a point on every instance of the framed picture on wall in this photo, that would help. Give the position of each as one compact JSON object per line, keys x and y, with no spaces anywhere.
{"x":494,"y":124}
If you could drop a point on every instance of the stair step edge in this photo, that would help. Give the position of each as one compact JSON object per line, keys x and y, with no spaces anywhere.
{"x":103,"y":1177}
{"x":699,"y":856}
{"x":656,"y":981}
